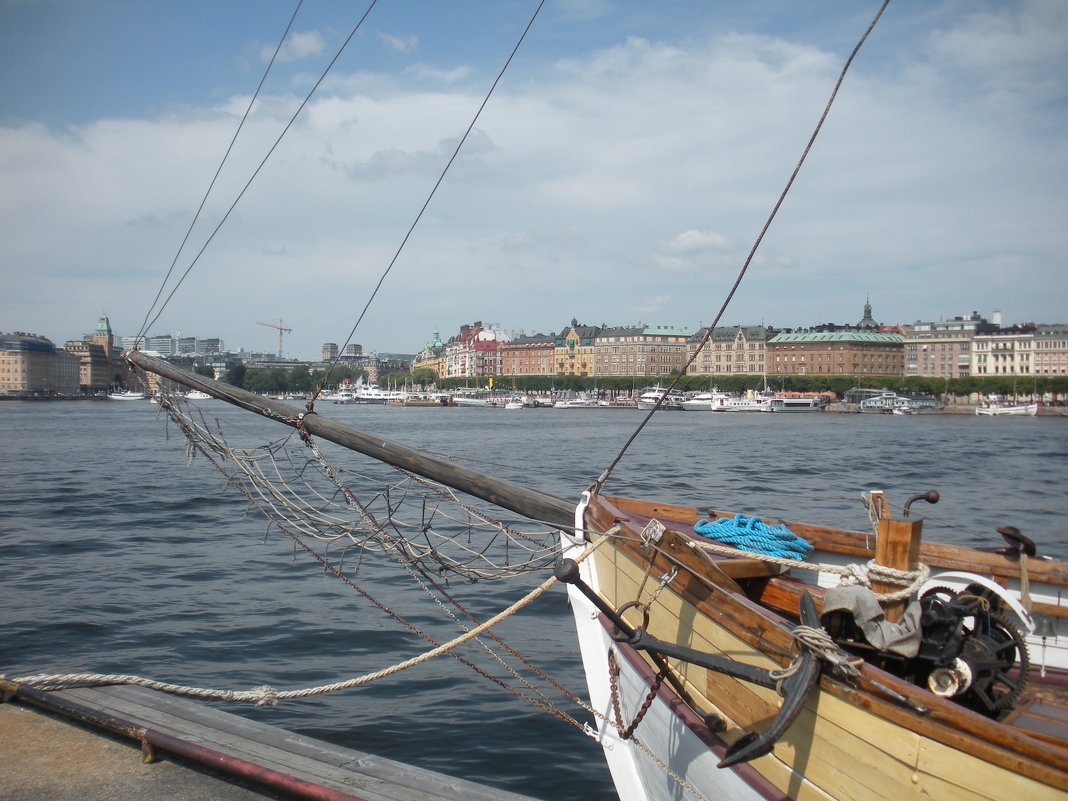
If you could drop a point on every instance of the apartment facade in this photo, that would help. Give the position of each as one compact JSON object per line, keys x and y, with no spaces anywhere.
{"x":1004,"y":351}
{"x":574,"y":350}
{"x":649,"y":351}
{"x":858,"y":353}
{"x":1050,"y":350}
{"x":730,"y":350}
{"x":529,"y":355}
{"x":942,"y":349}
{"x":32,"y":365}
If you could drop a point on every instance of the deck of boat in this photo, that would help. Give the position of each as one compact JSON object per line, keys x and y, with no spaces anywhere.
{"x":207,"y":754}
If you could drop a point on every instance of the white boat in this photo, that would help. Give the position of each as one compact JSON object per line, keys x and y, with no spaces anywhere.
{"x":196,"y":394}
{"x":577,"y":402}
{"x":126,"y":395}
{"x":705,"y":401}
{"x":372,"y":393}
{"x":651,"y":395}
{"x":998,"y":408}
{"x":781,"y":403}
{"x":469,"y":399}
{"x":755,"y":403}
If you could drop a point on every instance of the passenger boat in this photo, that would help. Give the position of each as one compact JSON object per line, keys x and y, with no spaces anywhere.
{"x":785,"y":403}
{"x":744,"y":403}
{"x":998,"y":408}
{"x":126,"y":395}
{"x":651,"y":396}
{"x":705,"y":401}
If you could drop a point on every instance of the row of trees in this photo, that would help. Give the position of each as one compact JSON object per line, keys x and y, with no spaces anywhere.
{"x":302,"y":380}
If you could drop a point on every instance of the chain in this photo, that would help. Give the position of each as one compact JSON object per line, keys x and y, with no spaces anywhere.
{"x":613,"y":682}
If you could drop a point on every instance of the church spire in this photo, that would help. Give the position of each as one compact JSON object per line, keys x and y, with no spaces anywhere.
{"x":868,"y":322}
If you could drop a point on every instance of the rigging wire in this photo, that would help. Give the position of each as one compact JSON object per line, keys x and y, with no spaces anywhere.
{"x":426,"y":204}
{"x":263,"y":162}
{"x":752,"y":252}
{"x":143,"y":330}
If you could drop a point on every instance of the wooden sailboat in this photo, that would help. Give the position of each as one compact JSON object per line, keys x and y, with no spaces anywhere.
{"x":718,"y":672}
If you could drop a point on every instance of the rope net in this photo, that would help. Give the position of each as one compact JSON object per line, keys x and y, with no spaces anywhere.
{"x":419,"y":523}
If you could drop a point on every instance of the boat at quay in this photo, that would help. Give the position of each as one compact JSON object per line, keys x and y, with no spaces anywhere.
{"x":737,"y":639}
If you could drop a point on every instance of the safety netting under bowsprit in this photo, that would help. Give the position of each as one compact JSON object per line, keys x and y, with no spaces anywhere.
{"x":419,"y":523}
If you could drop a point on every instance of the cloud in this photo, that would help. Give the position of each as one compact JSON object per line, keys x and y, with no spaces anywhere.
{"x":400,"y":44}
{"x":296,"y":47}
{"x":691,"y":251}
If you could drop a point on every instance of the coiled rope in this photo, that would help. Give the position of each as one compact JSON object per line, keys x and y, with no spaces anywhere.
{"x":753,"y":534}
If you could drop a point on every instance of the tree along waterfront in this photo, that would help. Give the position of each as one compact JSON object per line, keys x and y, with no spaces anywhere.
{"x":301,"y":379}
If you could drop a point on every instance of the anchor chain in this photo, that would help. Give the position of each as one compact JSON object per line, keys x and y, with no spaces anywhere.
{"x":613,"y":683}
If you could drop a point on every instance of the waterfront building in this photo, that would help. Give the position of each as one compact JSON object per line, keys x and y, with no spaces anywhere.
{"x":859,"y":353}
{"x":103,"y":337}
{"x":330,"y":351}
{"x":650,"y":351}
{"x":529,"y":355}
{"x":475,"y":351}
{"x":163,"y":344}
{"x":574,"y":350}
{"x":32,"y":365}
{"x":730,"y":350}
{"x":942,"y":349}
{"x":432,"y":356}
{"x":1004,"y":351}
{"x":97,"y":372}
{"x":1051,"y":349}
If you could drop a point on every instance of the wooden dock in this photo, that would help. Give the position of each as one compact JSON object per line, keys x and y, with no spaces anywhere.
{"x":45,"y":755}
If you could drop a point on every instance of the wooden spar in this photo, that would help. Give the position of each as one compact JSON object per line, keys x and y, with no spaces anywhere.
{"x":525,"y":501}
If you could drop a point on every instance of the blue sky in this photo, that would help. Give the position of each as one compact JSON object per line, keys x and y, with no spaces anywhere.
{"x":619,"y":174}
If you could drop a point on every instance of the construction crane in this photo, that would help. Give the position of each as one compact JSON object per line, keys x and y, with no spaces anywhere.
{"x":281,"y":328}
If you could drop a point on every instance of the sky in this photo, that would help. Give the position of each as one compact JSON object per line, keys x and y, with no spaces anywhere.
{"x":619,"y":173}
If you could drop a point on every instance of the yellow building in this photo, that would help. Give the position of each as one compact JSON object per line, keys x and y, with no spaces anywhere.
{"x":31,"y":365}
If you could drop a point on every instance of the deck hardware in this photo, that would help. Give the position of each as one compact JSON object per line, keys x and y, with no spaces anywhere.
{"x":931,"y":496}
{"x":795,"y":688}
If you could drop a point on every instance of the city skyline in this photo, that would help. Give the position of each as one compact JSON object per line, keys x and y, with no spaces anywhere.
{"x":619,"y":173}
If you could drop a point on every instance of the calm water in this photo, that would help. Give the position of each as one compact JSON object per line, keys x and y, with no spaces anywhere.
{"x":117,"y":556}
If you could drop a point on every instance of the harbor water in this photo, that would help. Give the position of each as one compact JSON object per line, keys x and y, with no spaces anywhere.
{"x":120,"y":555}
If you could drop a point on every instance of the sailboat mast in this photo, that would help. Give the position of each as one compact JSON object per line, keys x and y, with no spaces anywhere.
{"x":506,"y":494}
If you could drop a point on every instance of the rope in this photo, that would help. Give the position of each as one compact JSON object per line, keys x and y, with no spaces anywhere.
{"x":819,"y":642}
{"x":753,"y":534}
{"x":851,"y":574}
{"x":266,"y":695}
{"x":752,"y":252}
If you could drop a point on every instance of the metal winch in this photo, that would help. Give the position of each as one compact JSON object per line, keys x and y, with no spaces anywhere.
{"x":971,"y":651}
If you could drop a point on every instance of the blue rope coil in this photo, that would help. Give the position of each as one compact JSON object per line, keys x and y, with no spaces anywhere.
{"x":753,"y":534}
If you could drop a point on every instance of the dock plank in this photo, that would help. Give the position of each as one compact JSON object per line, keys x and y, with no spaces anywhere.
{"x":344,"y":770}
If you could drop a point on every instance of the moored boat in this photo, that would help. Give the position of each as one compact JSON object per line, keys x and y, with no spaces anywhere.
{"x":704,"y":401}
{"x":651,"y":396}
{"x":788,"y":403}
{"x":126,"y":395}
{"x":997,"y":408}
{"x":685,"y":641}
{"x":744,"y":403}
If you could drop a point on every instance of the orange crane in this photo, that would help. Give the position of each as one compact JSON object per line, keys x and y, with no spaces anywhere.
{"x":281,"y":328}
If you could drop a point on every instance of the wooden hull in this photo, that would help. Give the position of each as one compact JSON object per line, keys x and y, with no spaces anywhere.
{"x":858,"y":739}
